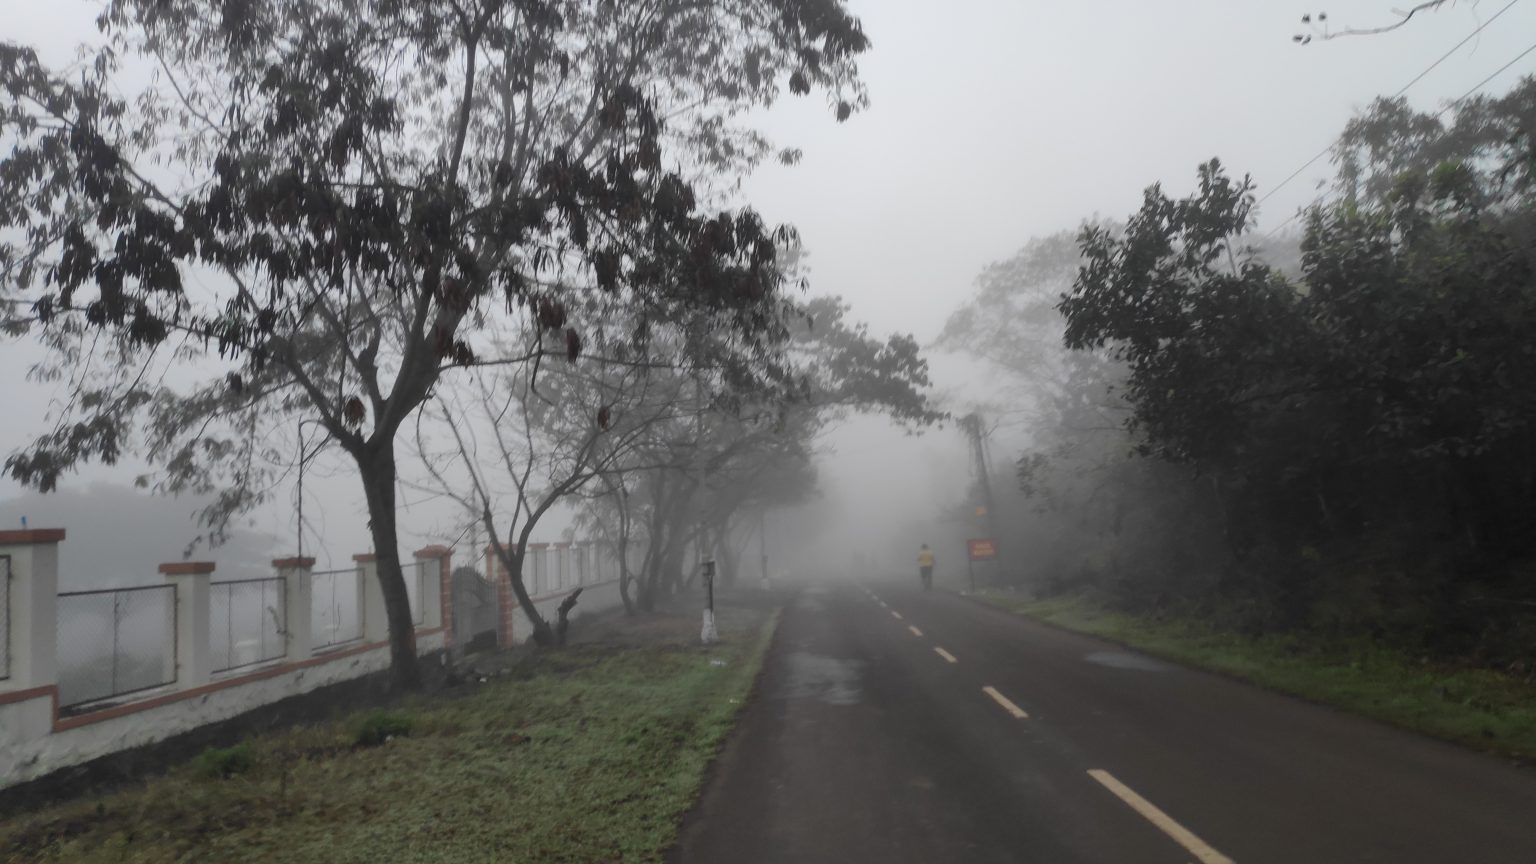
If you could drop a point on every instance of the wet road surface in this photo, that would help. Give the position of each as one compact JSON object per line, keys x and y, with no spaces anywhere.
{"x":892,"y":725}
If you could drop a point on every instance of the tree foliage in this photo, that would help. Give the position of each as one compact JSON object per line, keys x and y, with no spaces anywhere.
{"x":319,"y":208}
{"x":1371,"y":420}
{"x":1082,"y":506}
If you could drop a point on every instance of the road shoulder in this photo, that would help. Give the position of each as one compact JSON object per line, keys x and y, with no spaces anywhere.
{"x":1481,"y":709}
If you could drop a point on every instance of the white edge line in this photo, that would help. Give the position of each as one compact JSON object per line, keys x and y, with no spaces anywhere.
{"x":1162,"y":821}
{"x":896,"y":615}
{"x":915,"y":631}
{"x":945,"y":654}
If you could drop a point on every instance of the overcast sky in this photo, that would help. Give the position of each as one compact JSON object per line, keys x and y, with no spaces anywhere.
{"x":996,"y":120}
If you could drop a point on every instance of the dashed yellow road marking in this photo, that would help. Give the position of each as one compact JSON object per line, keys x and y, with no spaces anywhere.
{"x":1002,"y":700}
{"x":946,"y":655}
{"x":1181,"y":835}
{"x":915,"y":631}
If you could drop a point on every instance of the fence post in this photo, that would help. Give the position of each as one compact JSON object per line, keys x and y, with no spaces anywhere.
{"x":194,"y":660}
{"x":33,"y":619}
{"x":562,"y":565}
{"x":375,"y":619}
{"x":437,"y":594}
{"x":497,"y":573}
{"x":535,"y":566}
{"x":298,"y":605}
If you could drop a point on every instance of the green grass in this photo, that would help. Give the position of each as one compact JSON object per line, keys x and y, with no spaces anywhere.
{"x":592,"y":754}
{"x":1481,"y":708}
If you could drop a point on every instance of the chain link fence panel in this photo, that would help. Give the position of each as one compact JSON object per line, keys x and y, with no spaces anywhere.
{"x":115,"y":642}
{"x":246,"y":625}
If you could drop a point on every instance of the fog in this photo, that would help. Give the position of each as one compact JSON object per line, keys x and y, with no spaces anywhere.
{"x":118,"y":536}
{"x":697,"y":416}
{"x":990,"y":123}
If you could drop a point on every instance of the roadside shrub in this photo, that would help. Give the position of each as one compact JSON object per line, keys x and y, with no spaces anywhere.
{"x":376,"y":727}
{"x":218,"y":763}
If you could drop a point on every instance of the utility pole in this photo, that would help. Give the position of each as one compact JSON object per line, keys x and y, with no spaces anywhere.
{"x":976,"y":433}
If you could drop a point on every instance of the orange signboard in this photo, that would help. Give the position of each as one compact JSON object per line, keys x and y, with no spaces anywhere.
{"x":983,"y":549}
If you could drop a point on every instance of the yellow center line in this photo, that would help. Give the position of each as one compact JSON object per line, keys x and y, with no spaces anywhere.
{"x":946,"y":655}
{"x":1181,"y":835}
{"x":896,"y":615}
{"x":1016,"y":711}
{"x":915,"y":631}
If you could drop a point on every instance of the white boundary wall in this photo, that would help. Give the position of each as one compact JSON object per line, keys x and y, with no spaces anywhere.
{"x":33,"y":744}
{"x":36,"y":739}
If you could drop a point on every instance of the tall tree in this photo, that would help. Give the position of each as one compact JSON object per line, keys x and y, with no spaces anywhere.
{"x":1379,"y":401}
{"x":514,"y":443}
{"x":315,"y":207}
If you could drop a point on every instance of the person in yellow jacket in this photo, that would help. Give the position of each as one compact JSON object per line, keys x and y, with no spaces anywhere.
{"x":925,"y":566}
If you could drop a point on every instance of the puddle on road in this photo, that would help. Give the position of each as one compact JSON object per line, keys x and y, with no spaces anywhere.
{"x":1120,"y":660}
{"x":819,"y":677}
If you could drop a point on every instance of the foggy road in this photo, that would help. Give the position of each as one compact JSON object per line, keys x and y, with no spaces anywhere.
{"x":893,"y":726}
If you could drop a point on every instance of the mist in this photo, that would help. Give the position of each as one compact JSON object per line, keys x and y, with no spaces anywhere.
{"x":640,"y":430}
{"x":969,"y":109}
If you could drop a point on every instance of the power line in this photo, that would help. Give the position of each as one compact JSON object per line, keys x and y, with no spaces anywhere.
{"x":1400,"y":91}
{"x":1454,"y":49}
{"x":1479,"y":85}
{"x":1438,"y":114}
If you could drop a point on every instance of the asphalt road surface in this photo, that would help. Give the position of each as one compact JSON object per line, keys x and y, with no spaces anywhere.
{"x":896,"y":726}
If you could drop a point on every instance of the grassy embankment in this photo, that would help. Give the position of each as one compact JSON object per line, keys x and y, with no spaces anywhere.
{"x":592,"y":754}
{"x":1481,"y":708}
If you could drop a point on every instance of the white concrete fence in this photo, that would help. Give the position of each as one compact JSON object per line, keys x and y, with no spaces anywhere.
{"x":84,"y":674}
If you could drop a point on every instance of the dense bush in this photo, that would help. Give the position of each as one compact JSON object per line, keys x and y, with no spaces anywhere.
{"x":376,"y":727}
{"x":224,"y":762}
{"x":1367,"y":425}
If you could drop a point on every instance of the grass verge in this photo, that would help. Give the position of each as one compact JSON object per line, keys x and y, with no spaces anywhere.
{"x":1481,"y":708}
{"x":592,"y":754}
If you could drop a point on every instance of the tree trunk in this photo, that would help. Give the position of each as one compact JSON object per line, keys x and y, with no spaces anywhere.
{"x":655,"y":538}
{"x":727,"y":553}
{"x":624,"y":577}
{"x":563,"y":621}
{"x":622,"y":501}
{"x":646,"y":582}
{"x":376,"y":467}
{"x":629,"y":604}
{"x":513,"y":559}
{"x":671,"y":573}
